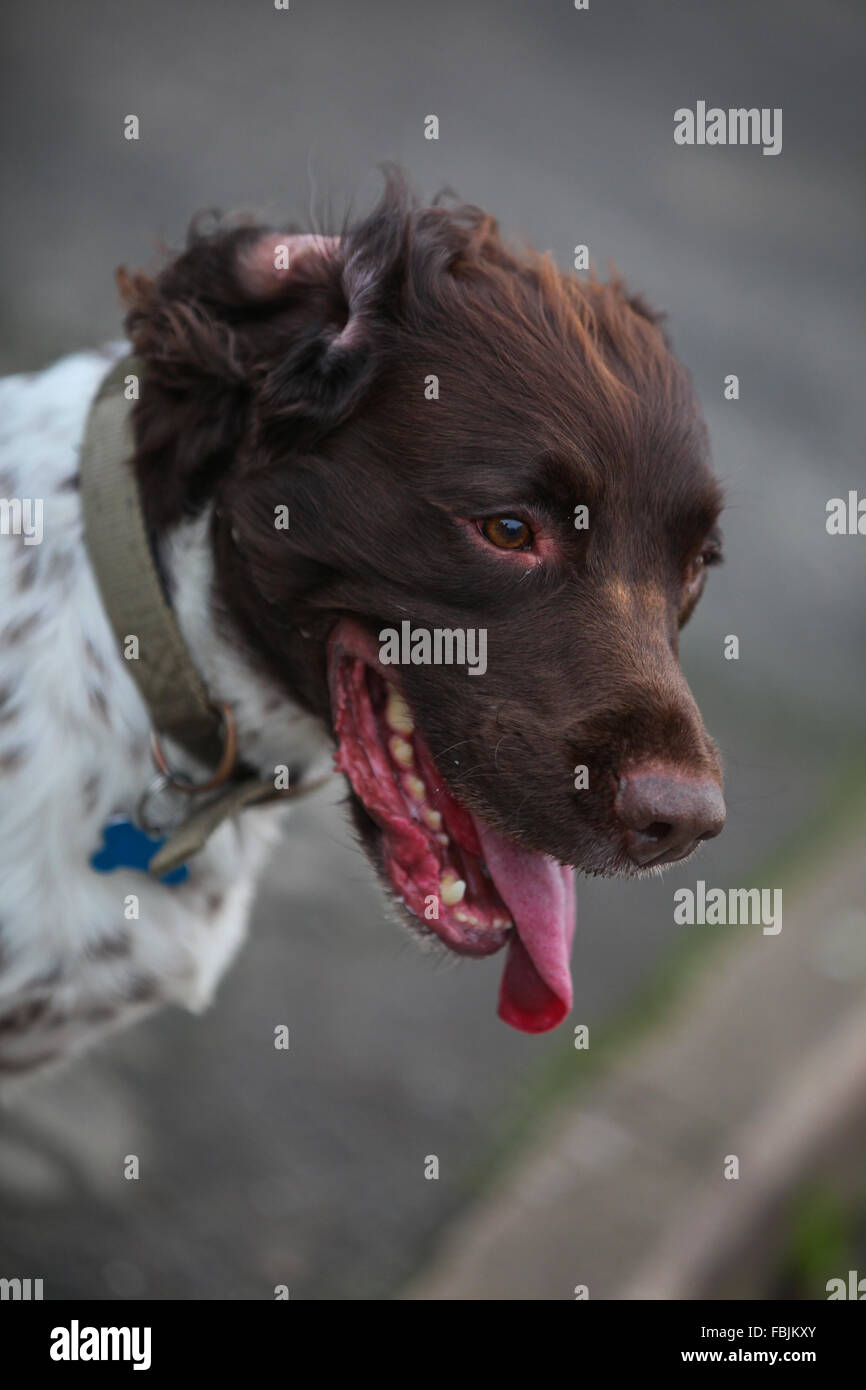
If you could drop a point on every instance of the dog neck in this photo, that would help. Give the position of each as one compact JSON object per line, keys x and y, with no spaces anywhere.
{"x":273,"y":730}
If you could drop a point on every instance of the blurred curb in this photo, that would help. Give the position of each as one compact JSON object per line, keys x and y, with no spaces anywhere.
{"x":806,"y":1122}
{"x":764,"y":1058}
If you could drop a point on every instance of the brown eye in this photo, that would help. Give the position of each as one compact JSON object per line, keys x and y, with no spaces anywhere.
{"x":710,"y":555}
{"x":506,"y":532}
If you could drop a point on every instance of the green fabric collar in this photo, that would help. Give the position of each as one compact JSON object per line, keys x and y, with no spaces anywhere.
{"x":136,"y":603}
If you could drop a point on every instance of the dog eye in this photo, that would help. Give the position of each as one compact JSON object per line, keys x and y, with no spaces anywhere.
{"x":506,"y":532}
{"x":710,"y":555}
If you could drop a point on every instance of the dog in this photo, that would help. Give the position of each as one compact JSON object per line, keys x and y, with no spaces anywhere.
{"x":462,"y":440}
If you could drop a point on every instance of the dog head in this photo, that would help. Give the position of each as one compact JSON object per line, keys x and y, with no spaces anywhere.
{"x":500,"y":514}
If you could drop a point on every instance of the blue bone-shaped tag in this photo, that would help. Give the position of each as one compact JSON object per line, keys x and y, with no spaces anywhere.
{"x":127,"y":847}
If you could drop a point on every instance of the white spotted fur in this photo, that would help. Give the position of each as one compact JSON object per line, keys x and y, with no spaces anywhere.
{"x":71,"y":963}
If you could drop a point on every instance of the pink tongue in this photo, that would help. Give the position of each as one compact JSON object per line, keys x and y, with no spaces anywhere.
{"x":539,"y":892}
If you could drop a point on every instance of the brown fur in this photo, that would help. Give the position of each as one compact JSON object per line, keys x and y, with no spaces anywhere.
{"x":554,"y":391}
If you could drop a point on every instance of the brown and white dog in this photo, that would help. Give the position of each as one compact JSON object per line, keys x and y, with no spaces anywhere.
{"x":468,"y":442}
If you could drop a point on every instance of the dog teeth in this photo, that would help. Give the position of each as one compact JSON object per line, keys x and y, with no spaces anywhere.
{"x":415,"y":787}
{"x":398,"y":713}
{"x":432,"y":818}
{"x":452,"y":890}
{"x":443,"y":839}
{"x":401,"y":751}
{"x":467,"y":919}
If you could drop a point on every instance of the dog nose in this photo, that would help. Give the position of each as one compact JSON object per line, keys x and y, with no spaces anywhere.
{"x":666,"y":812}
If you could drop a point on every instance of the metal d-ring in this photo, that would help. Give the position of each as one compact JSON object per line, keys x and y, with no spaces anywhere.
{"x":155,"y":825}
{"x":226,"y":764}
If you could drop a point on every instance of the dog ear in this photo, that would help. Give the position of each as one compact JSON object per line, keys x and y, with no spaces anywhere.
{"x":322,"y":298}
{"x":247,"y":330}
{"x":200,"y":315}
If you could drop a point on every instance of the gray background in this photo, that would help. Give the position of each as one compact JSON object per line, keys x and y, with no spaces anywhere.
{"x":307,"y":1168}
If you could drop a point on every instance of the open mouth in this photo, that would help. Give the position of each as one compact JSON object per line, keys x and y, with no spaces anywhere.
{"x":463,"y":881}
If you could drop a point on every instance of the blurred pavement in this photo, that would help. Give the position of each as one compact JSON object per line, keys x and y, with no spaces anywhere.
{"x":307,"y":1167}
